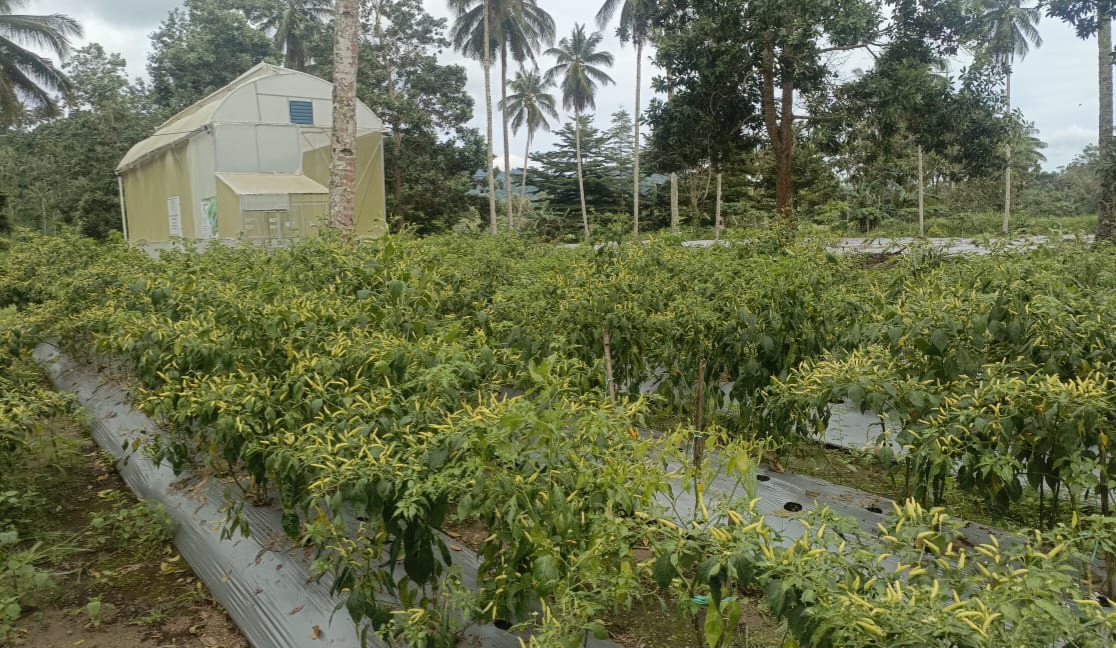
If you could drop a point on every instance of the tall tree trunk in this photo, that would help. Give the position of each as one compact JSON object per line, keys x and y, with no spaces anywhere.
{"x":1106,"y":510}
{"x":780,"y":130}
{"x":673,"y":202}
{"x":1106,"y":228}
{"x":342,"y":172}
{"x":717,"y":211}
{"x":397,"y":172}
{"x":921,"y":197}
{"x":488,"y":119}
{"x":635,"y":151}
{"x":784,"y":162}
{"x":396,"y":131}
{"x":610,"y":381}
{"x":580,"y":179}
{"x":504,"y":116}
{"x":1007,"y":169}
{"x":296,"y":55}
{"x":673,"y":181}
{"x":523,"y":185}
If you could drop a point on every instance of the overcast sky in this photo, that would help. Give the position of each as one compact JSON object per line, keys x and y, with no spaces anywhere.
{"x":1056,"y":86}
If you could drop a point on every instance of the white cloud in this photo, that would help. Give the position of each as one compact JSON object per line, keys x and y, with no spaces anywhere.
{"x":120,"y":13}
{"x":1056,"y":88}
{"x":121,"y":26}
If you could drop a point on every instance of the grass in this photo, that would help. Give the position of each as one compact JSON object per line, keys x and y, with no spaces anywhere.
{"x":117,"y":580}
{"x":652,"y":622}
{"x":852,"y":469}
{"x":863,"y":471}
{"x":976,"y":225}
{"x":954,"y":226}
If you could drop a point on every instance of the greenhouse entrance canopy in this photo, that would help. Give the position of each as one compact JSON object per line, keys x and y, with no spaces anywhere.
{"x":255,"y":184}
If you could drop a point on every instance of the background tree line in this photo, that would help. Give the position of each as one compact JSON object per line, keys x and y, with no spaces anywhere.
{"x":755,"y":118}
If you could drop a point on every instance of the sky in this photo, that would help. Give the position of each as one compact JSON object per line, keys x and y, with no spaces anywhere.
{"x":1055,"y":86}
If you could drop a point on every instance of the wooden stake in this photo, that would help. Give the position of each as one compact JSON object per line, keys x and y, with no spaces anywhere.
{"x":608,"y":365}
{"x":1109,"y":566}
{"x":699,"y":421}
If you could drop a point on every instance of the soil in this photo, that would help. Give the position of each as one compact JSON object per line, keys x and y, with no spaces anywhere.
{"x":148,"y":595}
{"x":57,"y":627}
{"x":470,"y":533}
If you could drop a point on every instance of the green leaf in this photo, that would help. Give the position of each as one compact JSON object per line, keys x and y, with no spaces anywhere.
{"x":418,"y":557}
{"x":355,"y":604}
{"x":546,"y":574}
{"x":598,"y":629}
{"x":714,"y":629}
{"x":732,"y":613}
{"x":856,"y":395}
{"x":742,"y":463}
{"x":663,"y":571}
{"x":886,"y":455}
{"x":940,"y":340}
{"x":436,"y":458}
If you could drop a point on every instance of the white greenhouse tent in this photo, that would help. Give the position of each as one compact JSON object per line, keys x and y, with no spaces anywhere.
{"x":250,"y":161}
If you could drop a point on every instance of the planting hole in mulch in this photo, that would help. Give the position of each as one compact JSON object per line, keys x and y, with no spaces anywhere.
{"x":762,"y":478}
{"x":503,"y":624}
{"x":793,"y":507}
{"x":874,"y":509}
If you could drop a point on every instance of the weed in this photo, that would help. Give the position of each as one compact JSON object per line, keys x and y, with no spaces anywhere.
{"x":17,"y":506}
{"x":143,"y":527}
{"x":155,"y":616}
{"x":19,"y":577}
{"x":98,"y":612}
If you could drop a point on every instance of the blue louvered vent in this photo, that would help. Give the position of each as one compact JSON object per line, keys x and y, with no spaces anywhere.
{"x":302,"y":112}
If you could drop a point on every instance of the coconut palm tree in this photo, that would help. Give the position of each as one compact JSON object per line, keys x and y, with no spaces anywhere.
{"x":1009,"y":32}
{"x":293,"y":22}
{"x":27,"y":80}
{"x":579,"y":63}
{"x":1027,"y":146}
{"x":518,"y":29}
{"x":342,"y":174}
{"x":635,"y":25}
{"x":486,"y":59}
{"x":530,"y":104}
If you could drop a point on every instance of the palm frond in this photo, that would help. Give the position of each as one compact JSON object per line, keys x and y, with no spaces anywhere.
{"x":576,"y":63}
{"x":9,"y":6}
{"x":27,"y":79}
{"x":51,"y":32}
{"x":29,"y":92}
{"x":599,"y":75}
{"x":607,"y":11}
{"x":35,"y":68}
{"x":520,"y":25}
{"x":1010,"y":30}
